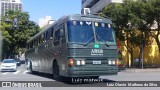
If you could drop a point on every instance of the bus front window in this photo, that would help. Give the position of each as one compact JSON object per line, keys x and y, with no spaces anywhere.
{"x":80,"y":32}
{"x":104,"y":32}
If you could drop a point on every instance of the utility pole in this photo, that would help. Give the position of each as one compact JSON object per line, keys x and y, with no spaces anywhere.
{"x":142,"y":54}
{"x":129,"y":29}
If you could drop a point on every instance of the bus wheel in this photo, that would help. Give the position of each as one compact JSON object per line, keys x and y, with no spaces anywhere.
{"x":56,"y":71}
{"x":30,"y":68}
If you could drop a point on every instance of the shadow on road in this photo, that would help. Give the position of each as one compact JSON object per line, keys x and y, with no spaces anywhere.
{"x":6,"y":71}
{"x":49,"y":76}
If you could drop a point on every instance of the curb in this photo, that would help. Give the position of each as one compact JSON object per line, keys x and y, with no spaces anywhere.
{"x":142,"y":70}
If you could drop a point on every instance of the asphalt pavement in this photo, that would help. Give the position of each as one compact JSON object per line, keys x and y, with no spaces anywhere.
{"x":129,"y":74}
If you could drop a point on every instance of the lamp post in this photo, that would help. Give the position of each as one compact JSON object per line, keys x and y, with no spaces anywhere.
{"x":14,"y":27}
{"x":142,"y":53}
{"x":129,"y":28}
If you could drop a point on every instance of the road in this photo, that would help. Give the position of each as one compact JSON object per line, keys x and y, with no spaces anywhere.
{"x":23,"y":75}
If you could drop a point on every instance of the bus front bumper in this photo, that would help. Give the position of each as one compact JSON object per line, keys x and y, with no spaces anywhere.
{"x":92,"y":71}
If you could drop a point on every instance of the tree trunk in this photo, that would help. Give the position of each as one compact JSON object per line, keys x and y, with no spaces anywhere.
{"x":157,"y":40}
{"x":132,"y":58}
{"x":130,"y":52}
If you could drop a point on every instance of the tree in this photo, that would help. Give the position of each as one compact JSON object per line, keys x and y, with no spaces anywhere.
{"x":132,"y":18}
{"x":153,"y":18}
{"x":120,"y":16}
{"x":15,"y":38}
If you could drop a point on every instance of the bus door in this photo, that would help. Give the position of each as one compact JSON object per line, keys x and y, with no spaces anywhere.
{"x":63,"y":49}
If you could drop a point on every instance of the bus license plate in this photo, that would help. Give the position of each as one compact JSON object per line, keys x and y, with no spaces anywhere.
{"x":96,"y":62}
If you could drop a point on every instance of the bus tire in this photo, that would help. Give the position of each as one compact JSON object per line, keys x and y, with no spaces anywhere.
{"x":30,"y":68}
{"x":56,"y":71}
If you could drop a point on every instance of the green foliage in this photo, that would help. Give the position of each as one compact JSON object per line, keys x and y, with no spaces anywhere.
{"x":132,"y":21}
{"x":15,"y":39}
{"x":135,"y":18}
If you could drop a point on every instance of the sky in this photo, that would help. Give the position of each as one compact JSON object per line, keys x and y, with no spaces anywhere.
{"x":55,"y":8}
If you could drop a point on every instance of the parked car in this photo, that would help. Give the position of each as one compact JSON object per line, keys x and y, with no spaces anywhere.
{"x":8,"y":65}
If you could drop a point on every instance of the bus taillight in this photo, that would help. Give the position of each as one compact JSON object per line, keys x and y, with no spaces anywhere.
{"x":71,"y":62}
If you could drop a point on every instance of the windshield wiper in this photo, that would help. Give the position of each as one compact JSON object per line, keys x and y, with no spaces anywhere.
{"x":98,"y":37}
{"x":84,"y":44}
{"x":78,"y":43}
{"x":106,"y":44}
{"x":89,"y":41}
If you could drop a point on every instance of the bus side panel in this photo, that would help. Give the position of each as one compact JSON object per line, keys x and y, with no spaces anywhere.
{"x":63,"y":61}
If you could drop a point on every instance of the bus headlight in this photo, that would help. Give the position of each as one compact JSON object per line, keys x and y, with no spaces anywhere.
{"x":83,"y":62}
{"x":113,"y":62}
{"x":78,"y":62}
{"x":109,"y":62}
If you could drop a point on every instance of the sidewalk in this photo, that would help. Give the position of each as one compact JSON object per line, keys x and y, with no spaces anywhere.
{"x":142,"y":70}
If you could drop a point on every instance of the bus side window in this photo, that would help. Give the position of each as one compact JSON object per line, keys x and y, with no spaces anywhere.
{"x":31,"y":44}
{"x":39,"y":40}
{"x":27,"y":45}
{"x":51,"y":33}
{"x":42,"y":38}
{"x":63,"y":40}
{"x":56,"y":37}
{"x":46,"y":36}
{"x":36,"y":41}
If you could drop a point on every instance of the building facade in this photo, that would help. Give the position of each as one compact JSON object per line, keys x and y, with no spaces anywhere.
{"x":97,"y":5}
{"x":10,"y":5}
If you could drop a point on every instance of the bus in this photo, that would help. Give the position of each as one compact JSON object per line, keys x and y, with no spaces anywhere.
{"x":74,"y":46}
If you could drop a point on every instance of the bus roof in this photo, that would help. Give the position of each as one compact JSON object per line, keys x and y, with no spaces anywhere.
{"x":73,"y":17}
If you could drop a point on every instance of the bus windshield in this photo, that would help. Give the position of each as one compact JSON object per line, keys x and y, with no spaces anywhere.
{"x":80,"y":32}
{"x":104,"y":32}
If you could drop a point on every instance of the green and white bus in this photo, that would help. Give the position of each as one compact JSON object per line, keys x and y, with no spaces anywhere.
{"x":74,"y":46}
